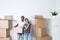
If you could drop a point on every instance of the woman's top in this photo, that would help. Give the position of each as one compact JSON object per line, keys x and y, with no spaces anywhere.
{"x":27,"y":27}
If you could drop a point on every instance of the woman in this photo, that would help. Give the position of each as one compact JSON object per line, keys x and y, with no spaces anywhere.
{"x":27,"y":28}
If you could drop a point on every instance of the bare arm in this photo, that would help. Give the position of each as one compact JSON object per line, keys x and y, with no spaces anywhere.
{"x":28,"y":26}
{"x":16,"y":25}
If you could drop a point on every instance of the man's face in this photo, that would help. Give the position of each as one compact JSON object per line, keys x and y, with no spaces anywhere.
{"x":22,"y":18}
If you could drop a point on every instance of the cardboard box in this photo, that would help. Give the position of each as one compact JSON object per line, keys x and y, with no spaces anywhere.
{"x":40,"y":22}
{"x":7,"y":24}
{"x":8,"y":17}
{"x":38,"y":16}
{"x":44,"y":38}
{"x":4,"y":32}
{"x":8,"y":38}
{"x":41,"y":32}
{"x":18,"y":29}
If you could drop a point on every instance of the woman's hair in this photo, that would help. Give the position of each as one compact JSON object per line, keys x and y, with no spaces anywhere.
{"x":27,"y":20}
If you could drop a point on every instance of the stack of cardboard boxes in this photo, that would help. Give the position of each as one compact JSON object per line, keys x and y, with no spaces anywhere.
{"x":5,"y":26}
{"x":40,"y":29}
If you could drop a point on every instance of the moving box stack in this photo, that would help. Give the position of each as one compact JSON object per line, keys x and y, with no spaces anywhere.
{"x":5,"y":26}
{"x":40,"y":29}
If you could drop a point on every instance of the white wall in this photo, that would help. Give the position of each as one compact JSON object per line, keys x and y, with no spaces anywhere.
{"x":29,"y":8}
{"x":26,"y":7}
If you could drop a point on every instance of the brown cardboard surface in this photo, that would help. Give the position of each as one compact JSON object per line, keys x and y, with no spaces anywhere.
{"x":5,"y":23}
{"x":8,"y":38}
{"x":41,"y":32}
{"x":38,"y":16}
{"x":4,"y":32}
{"x":8,"y":17}
{"x":40,"y":22}
{"x":44,"y":38}
{"x":18,"y":29}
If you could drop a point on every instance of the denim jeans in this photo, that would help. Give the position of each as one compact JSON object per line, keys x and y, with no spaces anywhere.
{"x":20,"y":36}
{"x":27,"y":36}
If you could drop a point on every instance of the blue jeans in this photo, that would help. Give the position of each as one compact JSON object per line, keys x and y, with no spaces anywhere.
{"x":20,"y":36}
{"x":27,"y":36}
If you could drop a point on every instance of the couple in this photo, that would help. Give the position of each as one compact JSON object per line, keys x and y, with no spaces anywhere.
{"x":24,"y":22}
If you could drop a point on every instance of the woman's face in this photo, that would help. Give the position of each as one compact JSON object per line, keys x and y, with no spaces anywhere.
{"x":26,"y":21}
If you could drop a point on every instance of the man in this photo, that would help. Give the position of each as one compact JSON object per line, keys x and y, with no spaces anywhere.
{"x":21,"y":24}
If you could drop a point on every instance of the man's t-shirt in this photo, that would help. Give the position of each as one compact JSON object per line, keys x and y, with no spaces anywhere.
{"x":20,"y":23}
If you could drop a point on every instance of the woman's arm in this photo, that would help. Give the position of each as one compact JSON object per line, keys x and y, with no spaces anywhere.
{"x":28,"y":26}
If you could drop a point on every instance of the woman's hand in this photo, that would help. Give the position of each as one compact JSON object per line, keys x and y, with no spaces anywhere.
{"x":28,"y":25}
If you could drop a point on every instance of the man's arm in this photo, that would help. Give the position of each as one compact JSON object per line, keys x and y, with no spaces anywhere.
{"x":16,"y":25}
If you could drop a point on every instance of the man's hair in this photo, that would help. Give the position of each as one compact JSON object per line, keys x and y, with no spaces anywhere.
{"x":22,"y":17}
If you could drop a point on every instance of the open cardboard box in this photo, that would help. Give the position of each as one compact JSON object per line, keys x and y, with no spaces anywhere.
{"x":8,"y":17}
{"x":38,"y":16}
{"x":18,"y":29}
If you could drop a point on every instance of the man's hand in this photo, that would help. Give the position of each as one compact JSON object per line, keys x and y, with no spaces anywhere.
{"x":16,"y":25}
